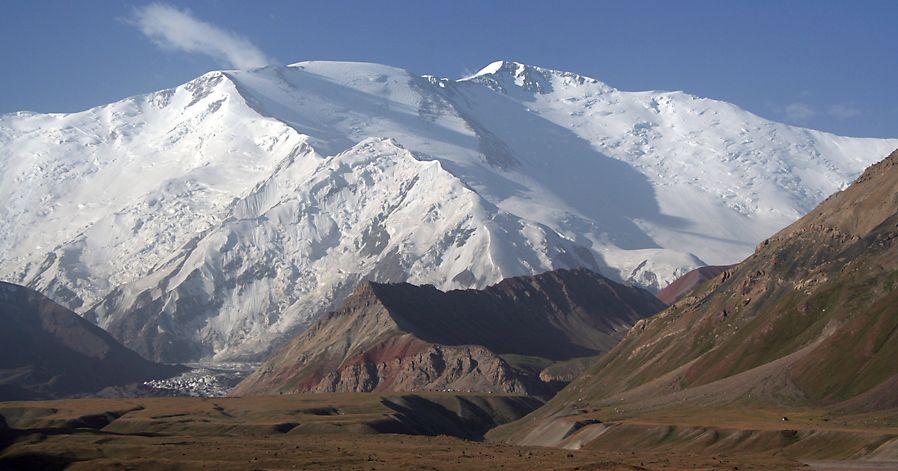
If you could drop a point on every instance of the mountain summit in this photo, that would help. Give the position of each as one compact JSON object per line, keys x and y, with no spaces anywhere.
{"x":216,"y":219}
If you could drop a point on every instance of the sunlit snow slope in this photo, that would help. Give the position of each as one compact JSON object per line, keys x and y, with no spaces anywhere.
{"x":211,"y":220}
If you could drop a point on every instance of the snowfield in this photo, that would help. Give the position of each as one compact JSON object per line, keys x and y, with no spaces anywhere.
{"x":211,"y":221}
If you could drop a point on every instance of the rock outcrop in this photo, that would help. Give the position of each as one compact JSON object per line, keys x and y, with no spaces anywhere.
{"x":688,"y":282}
{"x":433,"y":367}
{"x":401,"y":337}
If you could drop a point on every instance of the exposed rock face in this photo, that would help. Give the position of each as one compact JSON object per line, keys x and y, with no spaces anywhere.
{"x":810,"y":319}
{"x":435,"y":367}
{"x":47,"y":351}
{"x":403,"y":337}
{"x":564,"y":372}
{"x":688,"y":282}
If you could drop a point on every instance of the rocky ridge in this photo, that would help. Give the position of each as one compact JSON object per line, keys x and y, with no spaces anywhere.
{"x":405,"y":338}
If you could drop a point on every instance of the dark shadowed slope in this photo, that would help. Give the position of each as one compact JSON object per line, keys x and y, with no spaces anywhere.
{"x":401,"y":337}
{"x":47,"y":351}
{"x":688,"y":282}
{"x":809,"y":320}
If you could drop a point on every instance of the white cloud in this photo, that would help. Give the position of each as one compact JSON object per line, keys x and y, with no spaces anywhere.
{"x":172,"y":28}
{"x":843,"y":111}
{"x":799,"y":111}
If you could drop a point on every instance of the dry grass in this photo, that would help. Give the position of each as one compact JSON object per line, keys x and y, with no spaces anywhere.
{"x":325,"y":432}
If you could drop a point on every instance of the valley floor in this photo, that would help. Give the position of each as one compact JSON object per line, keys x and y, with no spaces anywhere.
{"x":328,"y":432}
{"x":98,"y":451}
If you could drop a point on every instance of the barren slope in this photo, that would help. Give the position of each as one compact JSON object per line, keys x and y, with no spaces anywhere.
{"x":48,"y":351}
{"x":404,"y":337}
{"x":808,"y":321}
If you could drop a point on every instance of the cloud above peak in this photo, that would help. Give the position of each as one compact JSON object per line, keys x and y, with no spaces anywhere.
{"x":799,"y":112}
{"x":171,"y":28}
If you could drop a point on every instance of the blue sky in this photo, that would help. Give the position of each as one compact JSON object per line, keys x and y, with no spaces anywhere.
{"x":821,"y":64}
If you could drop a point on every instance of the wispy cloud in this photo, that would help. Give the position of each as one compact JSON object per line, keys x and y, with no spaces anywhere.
{"x":799,"y":111}
{"x":843,"y":111}
{"x":176,"y":29}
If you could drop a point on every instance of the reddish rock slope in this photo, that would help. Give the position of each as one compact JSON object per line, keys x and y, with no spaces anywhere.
{"x":401,"y":337}
{"x":688,"y":282}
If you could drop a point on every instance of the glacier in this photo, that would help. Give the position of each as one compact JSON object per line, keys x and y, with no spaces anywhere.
{"x":216,"y":219}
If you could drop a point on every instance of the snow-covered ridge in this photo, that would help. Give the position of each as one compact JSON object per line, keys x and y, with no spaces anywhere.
{"x":502,"y":75}
{"x":217,"y":217}
{"x":302,"y":240}
{"x":98,"y":198}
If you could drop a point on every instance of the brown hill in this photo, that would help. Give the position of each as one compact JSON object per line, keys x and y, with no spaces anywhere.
{"x":47,"y":351}
{"x":688,"y":282}
{"x":401,"y":337}
{"x":808,"y":321}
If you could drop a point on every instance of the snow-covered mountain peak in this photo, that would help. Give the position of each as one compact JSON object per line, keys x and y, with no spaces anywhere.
{"x":302,"y":240}
{"x":494,"y":68}
{"x":505,"y":75}
{"x":137,"y":178}
{"x":224,"y":213}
